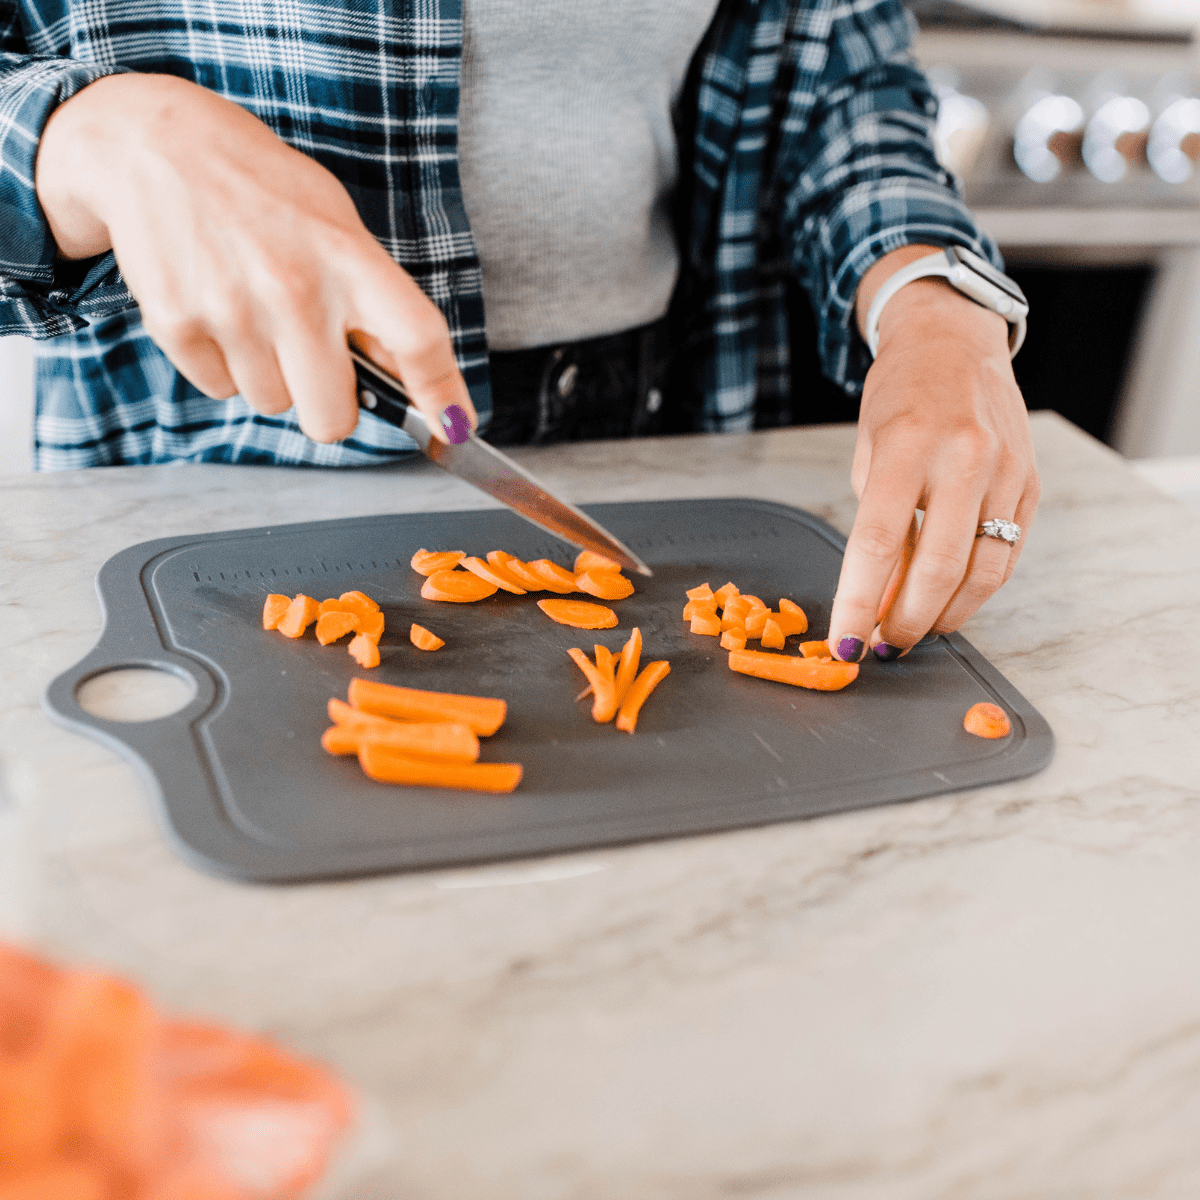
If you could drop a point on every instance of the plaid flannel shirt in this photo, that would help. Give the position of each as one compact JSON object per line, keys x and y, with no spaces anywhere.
{"x":806,"y":151}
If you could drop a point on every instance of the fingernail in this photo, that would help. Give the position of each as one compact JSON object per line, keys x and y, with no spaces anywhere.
{"x":886,"y":652}
{"x":456,"y":423}
{"x":850,"y":649}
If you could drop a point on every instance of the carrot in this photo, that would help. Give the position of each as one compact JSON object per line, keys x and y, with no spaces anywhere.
{"x":520,"y":571}
{"x":791,"y":618}
{"x":703,"y":592}
{"x":371,"y":626}
{"x":754,"y":601}
{"x":423,"y":639}
{"x":815,"y":649}
{"x":554,"y":578}
{"x":274,"y":609}
{"x":501,"y":578}
{"x":301,"y":613}
{"x":457,"y":587}
{"x":604,"y":692}
{"x":333,"y":625}
{"x":735,"y":612}
{"x":639,"y":692}
{"x":589,"y":560}
{"x":704,"y":624}
{"x":60,"y":1181}
{"x":705,"y":607}
{"x":357,"y":602}
{"x":756,"y":621}
{"x":723,"y":593}
{"x":385,"y":766}
{"x":604,"y":661}
{"x":425,"y":562}
{"x":772,"y":635}
{"x":733,"y":639}
{"x":631,"y":657}
{"x":987,"y":721}
{"x":818,"y":673}
{"x":483,"y":714}
{"x":604,"y":585}
{"x":364,"y":650}
{"x":581,"y":614}
{"x":438,"y":740}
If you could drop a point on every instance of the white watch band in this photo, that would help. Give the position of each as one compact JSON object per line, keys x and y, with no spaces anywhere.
{"x":962,"y":278}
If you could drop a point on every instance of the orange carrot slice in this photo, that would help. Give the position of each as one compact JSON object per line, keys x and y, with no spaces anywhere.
{"x":705,"y":607}
{"x":358,"y":602}
{"x":364,"y":650}
{"x":723,"y":593}
{"x":987,"y":721}
{"x":482,"y":713}
{"x":274,"y":608}
{"x":815,"y":649}
{"x":627,"y":668}
{"x":653,"y":674}
{"x":823,"y":675}
{"x":754,"y":601}
{"x":604,"y":585}
{"x":333,"y":625}
{"x":423,"y":639}
{"x":371,"y":626}
{"x":385,"y":766}
{"x":604,"y":692}
{"x":589,"y":560}
{"x":301,"y":613}
{"x":735,"y":612}
{"x":457,"y":587}
{"x":554,"y":578}
{"x":581,"y":614}
{"x":709,"y":626}
{"x":520,"y":571}
{"x":791,"y":618}
{"x":504,"y":580}
{"x":772,"y":635}
{"x":703,"y":592}
{"x":438,"y":739}
{"x":756,"y":620}
{"x":733,"y":639}
{"x":425,"y":562}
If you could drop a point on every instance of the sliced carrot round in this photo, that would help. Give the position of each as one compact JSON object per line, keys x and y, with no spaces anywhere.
{"x":520,"y":571}
{"x":423,"y":639}
{"x":554,"y":578}
{"x":581,"y":614}
{"x":589,"y":560}
{"x":987,"y":721}
{"x":604,"y":585}
{"x":494,"y":574}
{"x":457,"y":587}
{"x":425,"y":562}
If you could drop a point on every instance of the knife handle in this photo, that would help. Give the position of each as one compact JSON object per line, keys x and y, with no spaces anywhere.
{"x":379,"y":392}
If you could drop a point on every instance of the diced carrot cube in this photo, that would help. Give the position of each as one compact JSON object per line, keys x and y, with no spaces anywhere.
{"x":364,"y":650}
{"x":709,"y":626}
{"x":702,"y":592}
{"x":791,"y":618}
{"x":333,"y":625}
{"x":423,"y":639}
{"x":301,"y":613}
{"x":733,"y":639}
{"x":772,"y":635}
{"x":723,"y":593}
{"x":274,"y":609}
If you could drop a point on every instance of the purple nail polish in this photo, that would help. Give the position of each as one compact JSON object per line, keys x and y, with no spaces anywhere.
{"x":886,"y":652}
{"x":456,"y":423}
{"x":850,"y":649}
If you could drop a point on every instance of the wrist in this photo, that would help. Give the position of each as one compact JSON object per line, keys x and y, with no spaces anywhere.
{"x":928,"y":311}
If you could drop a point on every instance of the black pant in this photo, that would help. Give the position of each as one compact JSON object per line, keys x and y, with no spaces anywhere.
{"x":605,"y":387}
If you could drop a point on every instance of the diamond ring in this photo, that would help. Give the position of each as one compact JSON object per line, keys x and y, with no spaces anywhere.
{"x":1006,"y":531}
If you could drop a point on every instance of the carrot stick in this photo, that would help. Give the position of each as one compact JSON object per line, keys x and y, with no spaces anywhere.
{"x":333,"y":625}
{"x":483,"y":714}
{"x":439,"y":739}
{"x":589,"y":560}
{"x":274,"y":608}
{"x":491,"y":574}
{"x":604,"y":661}
{"x":631,"y":657}
{"x":364,"y":650}
{"x":818,"y":673}
{"x":425,"y":562}
{"x":457,"y":587}
{"x":423,"y":639}
{"x":653,"y":674}
{"x":987,"y":721}
{"x":386,"y":766}
{"x":604,"y":585}
{"x":604,"y":692}
{"x":301,"y":613}
{"x":554,"y":578}
{"x":581,"y":614}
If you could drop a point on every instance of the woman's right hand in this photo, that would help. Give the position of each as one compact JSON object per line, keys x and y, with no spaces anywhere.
{"x":248,"y":259}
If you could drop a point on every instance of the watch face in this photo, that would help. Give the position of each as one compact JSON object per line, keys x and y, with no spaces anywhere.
{"x":981,"y":266}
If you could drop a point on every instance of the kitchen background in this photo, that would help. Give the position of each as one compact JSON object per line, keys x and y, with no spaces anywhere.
{"x":1075,"y":125}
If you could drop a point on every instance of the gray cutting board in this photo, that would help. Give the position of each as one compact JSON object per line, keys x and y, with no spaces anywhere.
{"x":247,"y":791}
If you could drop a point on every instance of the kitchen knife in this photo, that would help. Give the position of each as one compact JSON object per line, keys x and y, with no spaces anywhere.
{"x":487,"y":469}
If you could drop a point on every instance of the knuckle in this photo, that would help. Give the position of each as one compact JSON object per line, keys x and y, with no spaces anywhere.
{"x":176,"y":331}
{"x":938,"y":570}
{"x":879,"y":541}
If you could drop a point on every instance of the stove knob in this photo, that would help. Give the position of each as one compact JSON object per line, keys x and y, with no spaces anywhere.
{"x":1116,"y":138}
{"x":1048,"y":139}
{"x":1174,"y":147}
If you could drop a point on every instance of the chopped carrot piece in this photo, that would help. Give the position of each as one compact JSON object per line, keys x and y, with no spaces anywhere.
{"x":438,"y":739}
{"x":333,"y":625}
{"x":706,"y":625}
{"x":554,"y":578}
{"x":772,"y":635}
{"x":385,"y":766}
{"x":340,"y":740}
{"x":582,"y":614}
{"x":504,"y":580}
{"x":653,"y":674}
{"x":423,"y":639}
{"x":754,"y":601}
{"x":723,"y":593}
{"x":482,"y":713}
{"x":815,"y":649}
{"x":457,"y":587}
{"x":604,"y":661}
{"x":604,"y":691}
{"x":589,"y":560}
{"x":604,"y":585}
{"x":735,"y":613}
{"x":358,"y":602}
{"x":331,"y":605}
{"x":274,"y":609}
{"x":425,"y":562}
{"x":824,"y":675}
{"x":520,"y":571}
{"x":301,"y":613}
{"x":791,"y":618}
{"x":371,"y":626}
{"x":703,"y":592}
{"x":733,"y":639}
{"x":364,"y":651}
{"x":705,"y":607}
{"x":756,"y":620}
{"x":627,"y":669}
{"x":987,"y":721}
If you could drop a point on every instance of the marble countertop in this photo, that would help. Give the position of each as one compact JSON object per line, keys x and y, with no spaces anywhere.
{"x":991,"y":994}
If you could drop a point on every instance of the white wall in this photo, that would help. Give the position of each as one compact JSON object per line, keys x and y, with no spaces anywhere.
{"x":16,"y":404}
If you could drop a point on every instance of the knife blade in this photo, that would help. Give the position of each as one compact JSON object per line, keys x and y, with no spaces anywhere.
{"x":486,"y":468}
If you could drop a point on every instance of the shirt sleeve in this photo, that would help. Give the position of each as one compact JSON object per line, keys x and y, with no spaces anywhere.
{"x":41,"y":295}
{"x":869,"y":179}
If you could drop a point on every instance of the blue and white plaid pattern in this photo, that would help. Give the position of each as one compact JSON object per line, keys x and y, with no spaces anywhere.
{"x":805,"y":146}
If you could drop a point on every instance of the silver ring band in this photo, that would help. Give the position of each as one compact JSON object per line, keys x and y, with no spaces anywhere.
{"x":1005,"y":531}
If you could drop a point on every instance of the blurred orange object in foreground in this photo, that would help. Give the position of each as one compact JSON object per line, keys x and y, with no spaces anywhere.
{"x":102,"y":1099}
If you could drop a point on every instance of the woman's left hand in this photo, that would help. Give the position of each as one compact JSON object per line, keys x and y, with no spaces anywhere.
{"x":943,"y":429}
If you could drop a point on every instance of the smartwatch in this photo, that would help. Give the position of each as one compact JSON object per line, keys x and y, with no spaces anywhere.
{"x":966,"y":272}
